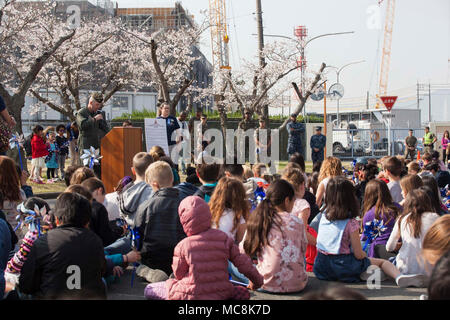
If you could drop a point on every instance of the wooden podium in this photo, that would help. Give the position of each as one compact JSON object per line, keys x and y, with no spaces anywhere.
{"x":118,"y":148}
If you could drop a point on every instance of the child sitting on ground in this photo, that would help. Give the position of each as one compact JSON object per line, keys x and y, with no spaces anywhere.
{"x":200,"y":260}
{"x":411,"y":227}
{"x":331,"y":167}
{"x":408,"y":183}
{"x":158,"y":224}
{"x":393,"y":169}
{"x":378,"y":205}
{"x":208,"y":175}
{"x":278,"y":240}
{"x":339,"y":232}
{"x":99,"y":219}
{"x":41,"y":210}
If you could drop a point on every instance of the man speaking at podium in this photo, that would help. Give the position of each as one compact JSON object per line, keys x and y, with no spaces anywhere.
{"x":92,"y":125}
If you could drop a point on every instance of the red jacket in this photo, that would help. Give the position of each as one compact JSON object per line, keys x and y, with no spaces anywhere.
{"x":200,"y":262}
{"x":38,"y":147}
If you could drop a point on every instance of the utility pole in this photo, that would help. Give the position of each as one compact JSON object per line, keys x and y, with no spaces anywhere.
{"x":418,"y":96}
{"x":262,"y":60}
{"x":429,"y":102}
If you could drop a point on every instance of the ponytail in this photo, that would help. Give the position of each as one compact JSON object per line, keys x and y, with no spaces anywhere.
{"x":266,"y":216}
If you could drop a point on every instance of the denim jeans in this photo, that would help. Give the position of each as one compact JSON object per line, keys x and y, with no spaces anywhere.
{"x":120,"y":246}
{"x":236,"y":274}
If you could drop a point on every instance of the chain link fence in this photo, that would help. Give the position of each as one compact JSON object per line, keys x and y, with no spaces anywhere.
{"x":351,"y":143}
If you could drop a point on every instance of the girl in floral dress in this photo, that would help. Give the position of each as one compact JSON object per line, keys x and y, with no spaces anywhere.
{"x":278,"y":240}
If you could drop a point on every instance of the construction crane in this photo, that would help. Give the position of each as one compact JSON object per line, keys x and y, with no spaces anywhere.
{"x":387,"y":44}
{"x":219,"y":34}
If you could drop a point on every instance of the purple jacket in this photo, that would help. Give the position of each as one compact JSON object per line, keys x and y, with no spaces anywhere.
{"x":383,"y":238}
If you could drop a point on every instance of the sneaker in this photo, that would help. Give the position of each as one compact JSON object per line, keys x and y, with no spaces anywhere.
{"x":39,"y":182}
{"x":49,"y":181}
{"x":371,"y":271}
{"x":151,"y":275}
{"x":411,"y":280}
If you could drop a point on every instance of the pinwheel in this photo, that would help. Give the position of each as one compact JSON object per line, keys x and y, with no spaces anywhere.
{"x":90,"y":157}
{"x":372,"y":230}
{"x":16,"y":141}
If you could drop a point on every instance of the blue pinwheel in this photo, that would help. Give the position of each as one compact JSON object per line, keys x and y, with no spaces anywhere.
{"x":16,"y":141}
{"x":135,"y":238}
{"x":259,"y":195}
{"x":372,"y":230}
{"x":90,"y":157}
{"x":32,"y":218}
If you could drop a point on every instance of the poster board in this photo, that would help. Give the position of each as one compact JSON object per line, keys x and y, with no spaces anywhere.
{"x":156,"y":134}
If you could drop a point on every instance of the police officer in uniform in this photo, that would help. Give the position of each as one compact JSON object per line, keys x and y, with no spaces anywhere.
{"x":318,"y":142}
{"x":295,"y":130}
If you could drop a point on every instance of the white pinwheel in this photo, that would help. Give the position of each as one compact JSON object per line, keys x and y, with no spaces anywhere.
{"x":90,"y":157}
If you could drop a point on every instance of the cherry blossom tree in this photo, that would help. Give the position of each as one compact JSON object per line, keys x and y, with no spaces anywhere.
{"x":98,"y":57}
{"x":27,"y":43}
{"x":168,"y":57}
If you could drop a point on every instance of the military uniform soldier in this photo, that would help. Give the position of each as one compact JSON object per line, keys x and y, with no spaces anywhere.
{"x":318,"y":142}
{"x":295,"y":130}
{"x":92,"y":124}
{"x":247,"y":122}
{"x":410,"y":145}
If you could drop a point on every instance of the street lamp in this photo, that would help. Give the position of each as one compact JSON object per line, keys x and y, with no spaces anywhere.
{"x":302,"y":53}
{"x":338,"y":72}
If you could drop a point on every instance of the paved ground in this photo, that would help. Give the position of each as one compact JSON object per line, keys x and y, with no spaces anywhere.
{"x":122,"y":290}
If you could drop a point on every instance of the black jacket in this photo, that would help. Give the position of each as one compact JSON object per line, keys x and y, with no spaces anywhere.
{"x":100,"y":224}
{"x":48,"y":270}
{"x":312,"y":203}
{"x":186,"y":189}
{"x":160,"y":229}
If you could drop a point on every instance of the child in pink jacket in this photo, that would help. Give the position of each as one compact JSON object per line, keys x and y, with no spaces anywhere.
{"x":200,"y":262}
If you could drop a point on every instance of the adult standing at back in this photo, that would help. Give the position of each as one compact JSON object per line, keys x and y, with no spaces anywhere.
{"x":318,"y":142}
{"x":428,"y":140}
{"x":171,"y":125}
{"x":72,"y":136}
{"x":410,"y":145}
{"x":445,"y":143}
{"x":295,"y":130}
{"x":182,"y":137}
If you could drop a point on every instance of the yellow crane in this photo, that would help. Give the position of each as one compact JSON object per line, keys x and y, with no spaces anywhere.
{"x":386,"y":53}
{"x":219,"y":34}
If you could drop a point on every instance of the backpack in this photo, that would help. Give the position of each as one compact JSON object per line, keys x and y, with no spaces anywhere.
{"x":27,"y":145}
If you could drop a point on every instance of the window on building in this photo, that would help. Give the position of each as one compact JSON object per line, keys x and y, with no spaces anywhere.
{"x":120,"y":103}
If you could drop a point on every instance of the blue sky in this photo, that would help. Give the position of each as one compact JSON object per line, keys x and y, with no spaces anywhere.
{"x":420,"y":46}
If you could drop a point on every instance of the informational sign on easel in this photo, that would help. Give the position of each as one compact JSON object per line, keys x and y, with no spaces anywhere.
{"x":156,"y":134}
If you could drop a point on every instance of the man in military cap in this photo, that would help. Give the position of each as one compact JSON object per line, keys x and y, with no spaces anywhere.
{"x":247,"y":122}
{"x":91,"y":123}
{"x":295,"y":130}
{"x":318,"y":142}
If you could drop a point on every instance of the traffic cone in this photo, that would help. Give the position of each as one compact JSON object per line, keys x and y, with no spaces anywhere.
{"x":418,"y":155}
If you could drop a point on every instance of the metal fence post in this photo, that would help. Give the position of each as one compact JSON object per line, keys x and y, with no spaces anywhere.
{"x":353,"y":145}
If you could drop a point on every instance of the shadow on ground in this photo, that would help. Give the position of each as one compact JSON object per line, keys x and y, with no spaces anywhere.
{"x":122,"y":290}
